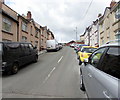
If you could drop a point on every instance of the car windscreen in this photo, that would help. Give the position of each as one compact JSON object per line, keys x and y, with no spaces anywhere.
{"x":88,"y":50}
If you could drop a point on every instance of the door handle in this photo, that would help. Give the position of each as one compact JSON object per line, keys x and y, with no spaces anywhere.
{"x":89,"y":75}
{"x":106,"y":95}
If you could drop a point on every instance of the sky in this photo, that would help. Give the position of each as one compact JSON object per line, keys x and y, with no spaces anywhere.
{"x":62,"y":16}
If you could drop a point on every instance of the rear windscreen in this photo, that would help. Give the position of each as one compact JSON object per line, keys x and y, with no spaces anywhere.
{"x":88,"y":50}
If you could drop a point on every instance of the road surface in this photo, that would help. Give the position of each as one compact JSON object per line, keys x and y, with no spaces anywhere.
{"x":55,"y":75}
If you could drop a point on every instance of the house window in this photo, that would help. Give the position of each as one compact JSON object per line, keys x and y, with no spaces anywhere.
{"x":37,"y":34}
{"x":24,"y":26}
{"x":31,"y":30}
{"x":36,"y":43}
{"x":6,"y":40}
{"x":24,"y":39}
{"x":117,"y":14}
{"x":117,"y":34}
{"x":7,"y":25}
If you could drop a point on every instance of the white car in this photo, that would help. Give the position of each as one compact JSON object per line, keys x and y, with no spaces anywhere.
{"x":100,"y":74}
{"x":52,"y":45}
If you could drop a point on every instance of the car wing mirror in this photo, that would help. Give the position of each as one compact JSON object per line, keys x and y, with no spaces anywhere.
{"x":86,"y":61}
{"x":35,"y":47}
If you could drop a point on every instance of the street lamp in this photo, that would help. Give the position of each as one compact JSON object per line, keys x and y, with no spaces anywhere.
{"x":76,"y":33}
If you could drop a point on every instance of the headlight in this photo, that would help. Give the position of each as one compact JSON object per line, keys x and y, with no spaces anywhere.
{"x":4,"y":64}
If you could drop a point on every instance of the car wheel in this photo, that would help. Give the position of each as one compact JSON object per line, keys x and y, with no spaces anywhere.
{"x":80,"y":62}
{"x":36,"y":59}
{"x":78,"y":57}
{"x":15,"y":68}
{"x":82,"y":87}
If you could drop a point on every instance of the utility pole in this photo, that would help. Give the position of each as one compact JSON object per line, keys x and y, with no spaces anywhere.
{"x":76,"y":34}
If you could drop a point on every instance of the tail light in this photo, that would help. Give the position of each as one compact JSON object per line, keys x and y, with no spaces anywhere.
{"x":82,"y":55}
{"x":78,"y":48}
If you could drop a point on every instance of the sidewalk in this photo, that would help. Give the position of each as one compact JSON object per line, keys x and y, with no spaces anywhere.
{"x":41,"y":52}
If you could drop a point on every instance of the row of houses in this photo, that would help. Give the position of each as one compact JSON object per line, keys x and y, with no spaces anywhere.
{"x":15,"y":27}
{"x":105,"y":28}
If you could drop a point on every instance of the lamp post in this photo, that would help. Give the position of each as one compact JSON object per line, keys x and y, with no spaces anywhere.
{"x":76,"y":33}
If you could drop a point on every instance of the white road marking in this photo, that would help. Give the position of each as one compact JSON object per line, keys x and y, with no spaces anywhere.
{"x":48,"y":75}
{"x":60,"y":59}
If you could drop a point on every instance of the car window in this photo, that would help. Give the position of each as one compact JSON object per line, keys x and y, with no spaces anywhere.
{"x":30,"y":46}
{"x":95,"y":57}
{"x":88,"y":50}
{"x":0,"y":46}
{"x":111,"y":62}
{"x":13,"y":45}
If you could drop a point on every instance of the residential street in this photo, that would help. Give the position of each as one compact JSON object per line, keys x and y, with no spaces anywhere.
{"x":55,"y":75}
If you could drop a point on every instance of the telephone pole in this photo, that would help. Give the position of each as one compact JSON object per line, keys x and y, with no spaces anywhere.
{"x":76,"y":34}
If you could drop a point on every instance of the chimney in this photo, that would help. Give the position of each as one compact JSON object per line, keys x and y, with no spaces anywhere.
{"x":29,"y":15}
{"x":99,"y":15}
{"x":113,"y":2}
{"x":2,"y":1}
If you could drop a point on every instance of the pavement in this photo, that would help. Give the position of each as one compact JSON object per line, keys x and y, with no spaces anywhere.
{"x":55,"y":75}
{"x":41,"y":52}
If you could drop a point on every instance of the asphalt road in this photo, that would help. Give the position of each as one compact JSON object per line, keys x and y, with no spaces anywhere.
{"x":55,"y":75}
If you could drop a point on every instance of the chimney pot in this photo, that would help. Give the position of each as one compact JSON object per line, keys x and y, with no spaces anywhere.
{"x":113,"y":2}
{"x":29,"y":15}
{"x":2,"y":1}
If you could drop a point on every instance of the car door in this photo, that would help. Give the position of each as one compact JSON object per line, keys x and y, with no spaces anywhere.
{"x":27,"y":53}
{"x":22,"y":57}
{"x":90,"y":71}
{"x":32,"y":53}
{"x":1,"y":49}
{"x":111,"y":73}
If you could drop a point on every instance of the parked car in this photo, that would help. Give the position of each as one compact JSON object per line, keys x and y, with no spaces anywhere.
{"x":100,"y":73}
{"x":72,"y":45}
{"x":85,"y":53}
{"x":79,"y":47}
{"x":16,"y":54}
{"x":52,"y":45}
{"x":76,"y":46}
{"x":60,"y":46}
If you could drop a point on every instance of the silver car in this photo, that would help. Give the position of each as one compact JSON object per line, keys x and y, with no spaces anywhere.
{"x":100,"y":73}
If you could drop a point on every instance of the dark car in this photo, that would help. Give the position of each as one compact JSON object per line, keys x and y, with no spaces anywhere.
{"x":16,"y":54}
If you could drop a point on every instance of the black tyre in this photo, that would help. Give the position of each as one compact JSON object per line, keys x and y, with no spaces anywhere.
{"x":82,"y":87}
{"x":80,"y":62}
{"x":36,"y":59}
{"x":15,"y":68}
{"x":78,"y":57}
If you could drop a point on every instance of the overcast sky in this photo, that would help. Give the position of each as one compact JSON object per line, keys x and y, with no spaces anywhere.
{"x":61,"y":16}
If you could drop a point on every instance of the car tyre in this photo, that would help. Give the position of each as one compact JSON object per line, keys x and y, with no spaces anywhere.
{"x":15,"y":68}
{"x":80,"y":62}
{"x":82,"y":87}
{"x":36,"y":59}
{"x":78,"y":56}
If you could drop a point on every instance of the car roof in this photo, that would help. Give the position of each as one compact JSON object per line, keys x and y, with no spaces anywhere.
{"x":89,"y":47}
{"x":112,"y":44}
{"x":115,"y":42}
{"x":7,"y":42}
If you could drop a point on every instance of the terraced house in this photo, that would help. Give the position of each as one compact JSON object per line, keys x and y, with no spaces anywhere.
{"x":15,"y":27}
{"x":9,"y":22}
{"x":106,"y":28}
{"x":29,"y":30}
{"x":109,"y":23}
